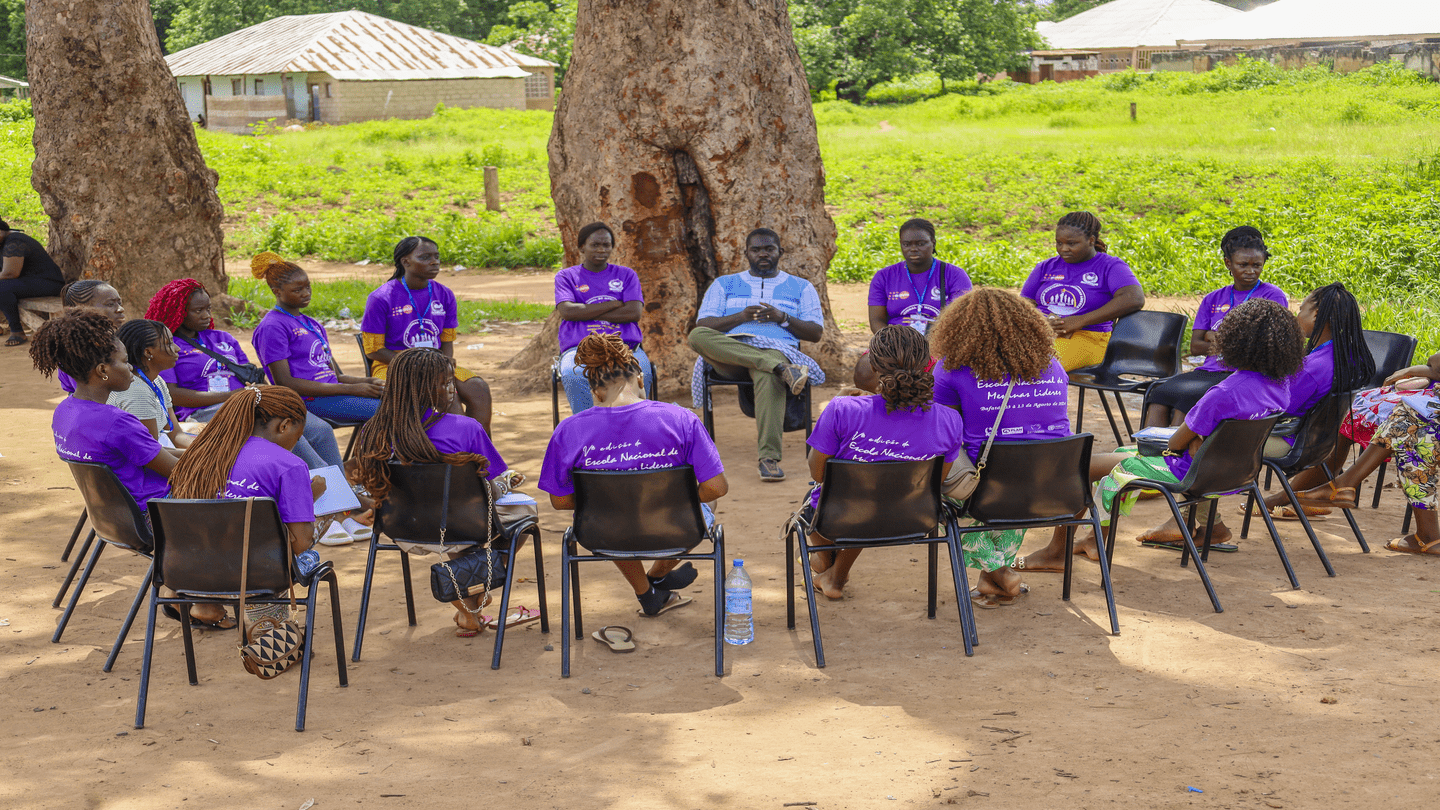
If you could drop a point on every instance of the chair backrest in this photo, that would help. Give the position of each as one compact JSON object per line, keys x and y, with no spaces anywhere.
{"x":1147,"y":344}
{"x":198,"y":545}
{"x":1044,"y":479}
{"x":1229,"y":458}
{"x":369,"y":364}
{"x":1316,"y":435}
{"x":112,"y":509}
{"x":879,"y":500}
{"x":1392,"y":352}
{"x":411,"y":510}
{"x":648,"y":512}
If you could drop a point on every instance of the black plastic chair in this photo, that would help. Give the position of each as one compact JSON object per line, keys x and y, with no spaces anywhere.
{"x":117,"y":521}
{"x":75,"y":535}
{"x":555,"y":390}
{"x":1314,"y":440}
{"x":1392,"y":352}
{"x":650,"y":515}
{"x":1228,"y":461}
{"x":798,"y":411}
{"x":875,"y":505}
{"x":198,"y":549}
{"x":1037,"y":484}
{"x":412,"y":511}
{"x":1144,"y":344}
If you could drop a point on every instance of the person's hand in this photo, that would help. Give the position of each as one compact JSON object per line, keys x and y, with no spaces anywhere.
{"x":371,"y":388}
{"x":752,"y":313}
{"x":1065,"y":327}
{"x":317,"y":486}
{"x":1405,"y":374}
{"x":769,"y":314}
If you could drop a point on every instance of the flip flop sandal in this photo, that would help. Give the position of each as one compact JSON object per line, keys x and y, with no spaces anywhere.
{"x":675,"y":601}
{"x":1413,"y":545}
{"x":618,"y":639}
{"x":469,"y":632}
{"x":519,"y":616}
{"x":1178,"y":545}
{"x":15,"y":340}
{"x":1338,"y":498}
{"x":226,"y":622}
{"x":1020,"y":566}
{"x":985,"y":601}
{"x":1288,"y":513}
{"x":1006,"y":601}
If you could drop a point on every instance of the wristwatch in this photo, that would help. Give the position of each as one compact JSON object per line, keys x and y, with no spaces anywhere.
{"x":785,"y":324}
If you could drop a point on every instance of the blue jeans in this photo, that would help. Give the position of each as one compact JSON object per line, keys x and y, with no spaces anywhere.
{"x":317,"y":446}
{"x":344,"y":408}
{"x":577,"y":388}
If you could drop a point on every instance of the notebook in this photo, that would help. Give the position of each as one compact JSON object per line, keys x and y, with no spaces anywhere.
{"x":338,"y":496}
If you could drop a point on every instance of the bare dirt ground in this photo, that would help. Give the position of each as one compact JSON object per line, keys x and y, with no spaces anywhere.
{"x":1311,"y":698}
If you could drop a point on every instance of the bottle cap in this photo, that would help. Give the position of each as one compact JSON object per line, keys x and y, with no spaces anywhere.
{"x":739,"y":564}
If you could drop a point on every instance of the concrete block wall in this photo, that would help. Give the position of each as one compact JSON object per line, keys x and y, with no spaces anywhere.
{"x":353,"y":101}
{"x":235,"y":114}
{"x":1342,"y":58}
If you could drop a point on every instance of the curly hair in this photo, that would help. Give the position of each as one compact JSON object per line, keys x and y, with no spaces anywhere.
{"x":205,"y":467}
{"x":75,"y":342}
{"x":139,"y":334}
{"x":605,"y":357}
{"x":1086,"y":223}
{"x":1260,"y":335}
{"x":80,"y":292}
{"x":996,"y":334}
{"x":899,"y":355}
{"x":416,"y":383}
{"x":404,"y":248}
{"x":273,"y":269}
{"x":171,"y":303}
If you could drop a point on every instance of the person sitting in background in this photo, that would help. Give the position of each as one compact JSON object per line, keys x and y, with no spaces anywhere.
{"x":626,"y":432}
{"x":1245,"y":256}
{"x":1082,"y":290}
{"x":27,"y":271}
{"x":596,"y":297}
{"x":986,"y":341}
{"x":149,"y":351}
{"x":413,"y":311}
{"x":898,"y":424}
{"x":749,"y":326}
{"x":97,"y":295}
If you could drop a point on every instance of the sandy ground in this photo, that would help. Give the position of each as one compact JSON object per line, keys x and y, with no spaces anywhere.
{"x":1289,"y":699}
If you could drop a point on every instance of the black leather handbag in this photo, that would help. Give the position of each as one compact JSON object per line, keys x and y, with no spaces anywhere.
{"x":474,"y":572}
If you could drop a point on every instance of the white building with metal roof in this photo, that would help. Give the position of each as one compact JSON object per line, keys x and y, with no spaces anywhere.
{"x":1126,"y":32}
{"x":350,"y":66}
{"x":1302,"y":22}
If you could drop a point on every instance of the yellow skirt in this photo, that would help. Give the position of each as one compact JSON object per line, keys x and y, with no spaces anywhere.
{"x":375,"y":342}
{"x":377,"y":370}
{"x":1081,"y":349}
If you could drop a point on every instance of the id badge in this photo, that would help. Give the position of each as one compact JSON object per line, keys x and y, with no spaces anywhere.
{"x":219,"y":383}
{"x":425,"y":343}
{"x":919,"y":324}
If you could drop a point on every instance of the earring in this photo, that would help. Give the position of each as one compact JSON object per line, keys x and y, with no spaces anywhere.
{"x":104,"y":376}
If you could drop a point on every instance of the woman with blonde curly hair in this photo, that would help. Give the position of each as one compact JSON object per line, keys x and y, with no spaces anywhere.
{"x":898,"y":424}
{"x":989,"y":342}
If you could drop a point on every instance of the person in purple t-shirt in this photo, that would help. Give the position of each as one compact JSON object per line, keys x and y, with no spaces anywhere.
{"x":596,"y":297}
{"x":295,"y":350}
{"x":1082,"y":290}
{"x":625,"y":431}
{"x":93,"y":294}
{"x":414,"y":311}
{"x":899,"y":424}
{"x":1245,"y":256}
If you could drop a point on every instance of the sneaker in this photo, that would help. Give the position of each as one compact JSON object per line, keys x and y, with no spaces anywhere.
{"x":357,"y":530}
{"x":793,"y":376}
{"x":336,"y":536}
{"x":770,"y":470}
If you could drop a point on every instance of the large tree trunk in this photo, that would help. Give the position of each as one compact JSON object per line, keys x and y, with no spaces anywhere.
{"x":684,"y":126}
{"x":117,"y":165}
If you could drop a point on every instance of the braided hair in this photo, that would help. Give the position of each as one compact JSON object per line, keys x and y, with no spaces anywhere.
{"x":171,"y":303}
{"x":996,"y":334}
{"x":1086,"y":223}
{"x":1245,"y":237}
{"x":417,"y":381}
{"x":605,"y":358}
{"x":75,"y":342}
{"x":404,"y":248}
{"x":205,"y":467}
{"x":1337,"y":309}
{"x":140,"y":334}
{"x":1260,"y":335}
{"x":81,"y":292}
{"x":899,"y":355}
{"x":273,"y":269}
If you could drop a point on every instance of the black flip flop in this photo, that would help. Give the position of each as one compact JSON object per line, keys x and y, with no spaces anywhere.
{"x":174,"y":613}
{"x":1178,"y":545}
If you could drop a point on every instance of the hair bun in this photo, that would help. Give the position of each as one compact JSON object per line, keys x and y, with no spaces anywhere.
{"x":263,"y":262}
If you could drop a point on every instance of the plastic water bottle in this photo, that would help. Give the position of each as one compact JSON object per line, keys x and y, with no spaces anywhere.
{"x":739,"y":610}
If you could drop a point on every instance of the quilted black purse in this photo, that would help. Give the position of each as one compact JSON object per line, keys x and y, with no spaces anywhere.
{"x":473,"y":573}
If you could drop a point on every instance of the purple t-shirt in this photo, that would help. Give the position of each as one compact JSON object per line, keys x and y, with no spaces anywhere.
{"x":1242,"y":395}
{"x":97,"y":433}
{"x":859,"y":429}
{"x":264,"y":469}
{"x":1312,"y":382}
{"x":298,"y":339}
{"x":454,"y":433}
{"x":410,"y":319}
{"x":896,"y":288}
{"x":197,"y":371}
{"x":1037,"y":410}
{"x":1215,"y":306}
{"x":578,"y":285}
{"x":67,"y":383}
{"x":644,"y":436}
{"x":1062,"y":289}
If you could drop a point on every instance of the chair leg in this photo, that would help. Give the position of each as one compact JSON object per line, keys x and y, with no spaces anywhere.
{"x":1274,"y":535}
{"x":79,"y":588}
{"x":1349,"y":518}
{"x":790,"y":578}
{"x":1105,"y":580}
{"x":1110,"y":415}
{"x":540,"y":581}
{"x":809,"y":413}
{"x":339,"y":628}
{"x":1405,"y":524}
{"x":130,"y":618}
{"x":1250,"y":510}
{"x":307,"y":656}
{"x":74,"y":566}
{"x":707,"y":409}
{"x":566,"y":569}
{"x":933,"y":555}
{"x":409,"y":589}
{"x":720,"y":604}
{"x":145,"y":658}
{"x":968,"y":636}
{"x":575,"y":588}
{"x":75,"y":535}
{"x":504,"y":604}
{"x":810,"y":602}
{"x":1124,"y":414}
{"x":350,"y":445}
{"x":1304,"y":521}
{"x":1069,"y":562}
{"x":554,"y":400}
{"x":365,"y":593}
{"x":1080,"y":410}
{"x":189,"y":636}
{"x":1379,"y":486}
{"x":1189,"y":551}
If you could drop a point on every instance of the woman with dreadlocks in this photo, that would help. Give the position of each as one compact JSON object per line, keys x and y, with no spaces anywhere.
{"x":898,"y":424}
{"x":414,"y":425}
{"x":150,"y":352}
{"x":413,"y":311}
{"x":1082,"y":290}
{"x":94,"y":294}
{"x":625,"y":431}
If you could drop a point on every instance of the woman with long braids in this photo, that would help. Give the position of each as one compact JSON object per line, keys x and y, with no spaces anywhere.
{"x":414,"y":425}
{"x":414,"y":311}
{"x":150,"y":352}
{"x":1082,"y":290}
{"x":625,"y":431}
{"x":898,"y":424}
{"x":94,"y":294}
{"x":985,"y":341}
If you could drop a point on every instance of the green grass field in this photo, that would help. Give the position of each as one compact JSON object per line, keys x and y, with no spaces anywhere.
{"x":1340,"y":173}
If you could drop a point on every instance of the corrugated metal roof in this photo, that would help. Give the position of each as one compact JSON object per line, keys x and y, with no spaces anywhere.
{"x":6,"y":81}
{"x":1328,"y":19}
{"x":349,"y":45}
{"x":1135,"y":24}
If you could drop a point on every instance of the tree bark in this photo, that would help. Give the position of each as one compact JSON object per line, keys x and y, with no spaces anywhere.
{"x":117,"y":166}
{"x":684,"y":127}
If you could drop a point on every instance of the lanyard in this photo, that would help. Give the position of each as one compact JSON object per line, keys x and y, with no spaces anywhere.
{"x":920,"y":294}
{"x":305,"y":324}
{"x":169,"y":426}
{"x":1247,"y":295}
{"x":429,"y":299}
{"x":1321,"y":346}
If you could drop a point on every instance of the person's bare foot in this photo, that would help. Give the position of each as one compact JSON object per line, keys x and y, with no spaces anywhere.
{"x":468,"y":625}
{"x":1169,"y":532}
{"x":820,"y":561}
{"x":826,"y":584}
{"x":1046,"y":561}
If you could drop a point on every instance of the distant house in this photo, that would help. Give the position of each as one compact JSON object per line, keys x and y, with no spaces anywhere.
{"x":13,"y":88}
{"x":1058,"y":66}
{"x":1126,"y":32}
{"x":350,"y":66}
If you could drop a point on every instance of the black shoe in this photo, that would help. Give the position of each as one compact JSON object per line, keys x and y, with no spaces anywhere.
{"x":793,"y":376}
{"x":770,"y":470}
{"x":675,"y":580}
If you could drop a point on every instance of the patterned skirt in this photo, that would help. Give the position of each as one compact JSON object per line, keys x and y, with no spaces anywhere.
{"x":1412,"y":441}
{"x":1371,"y":408}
